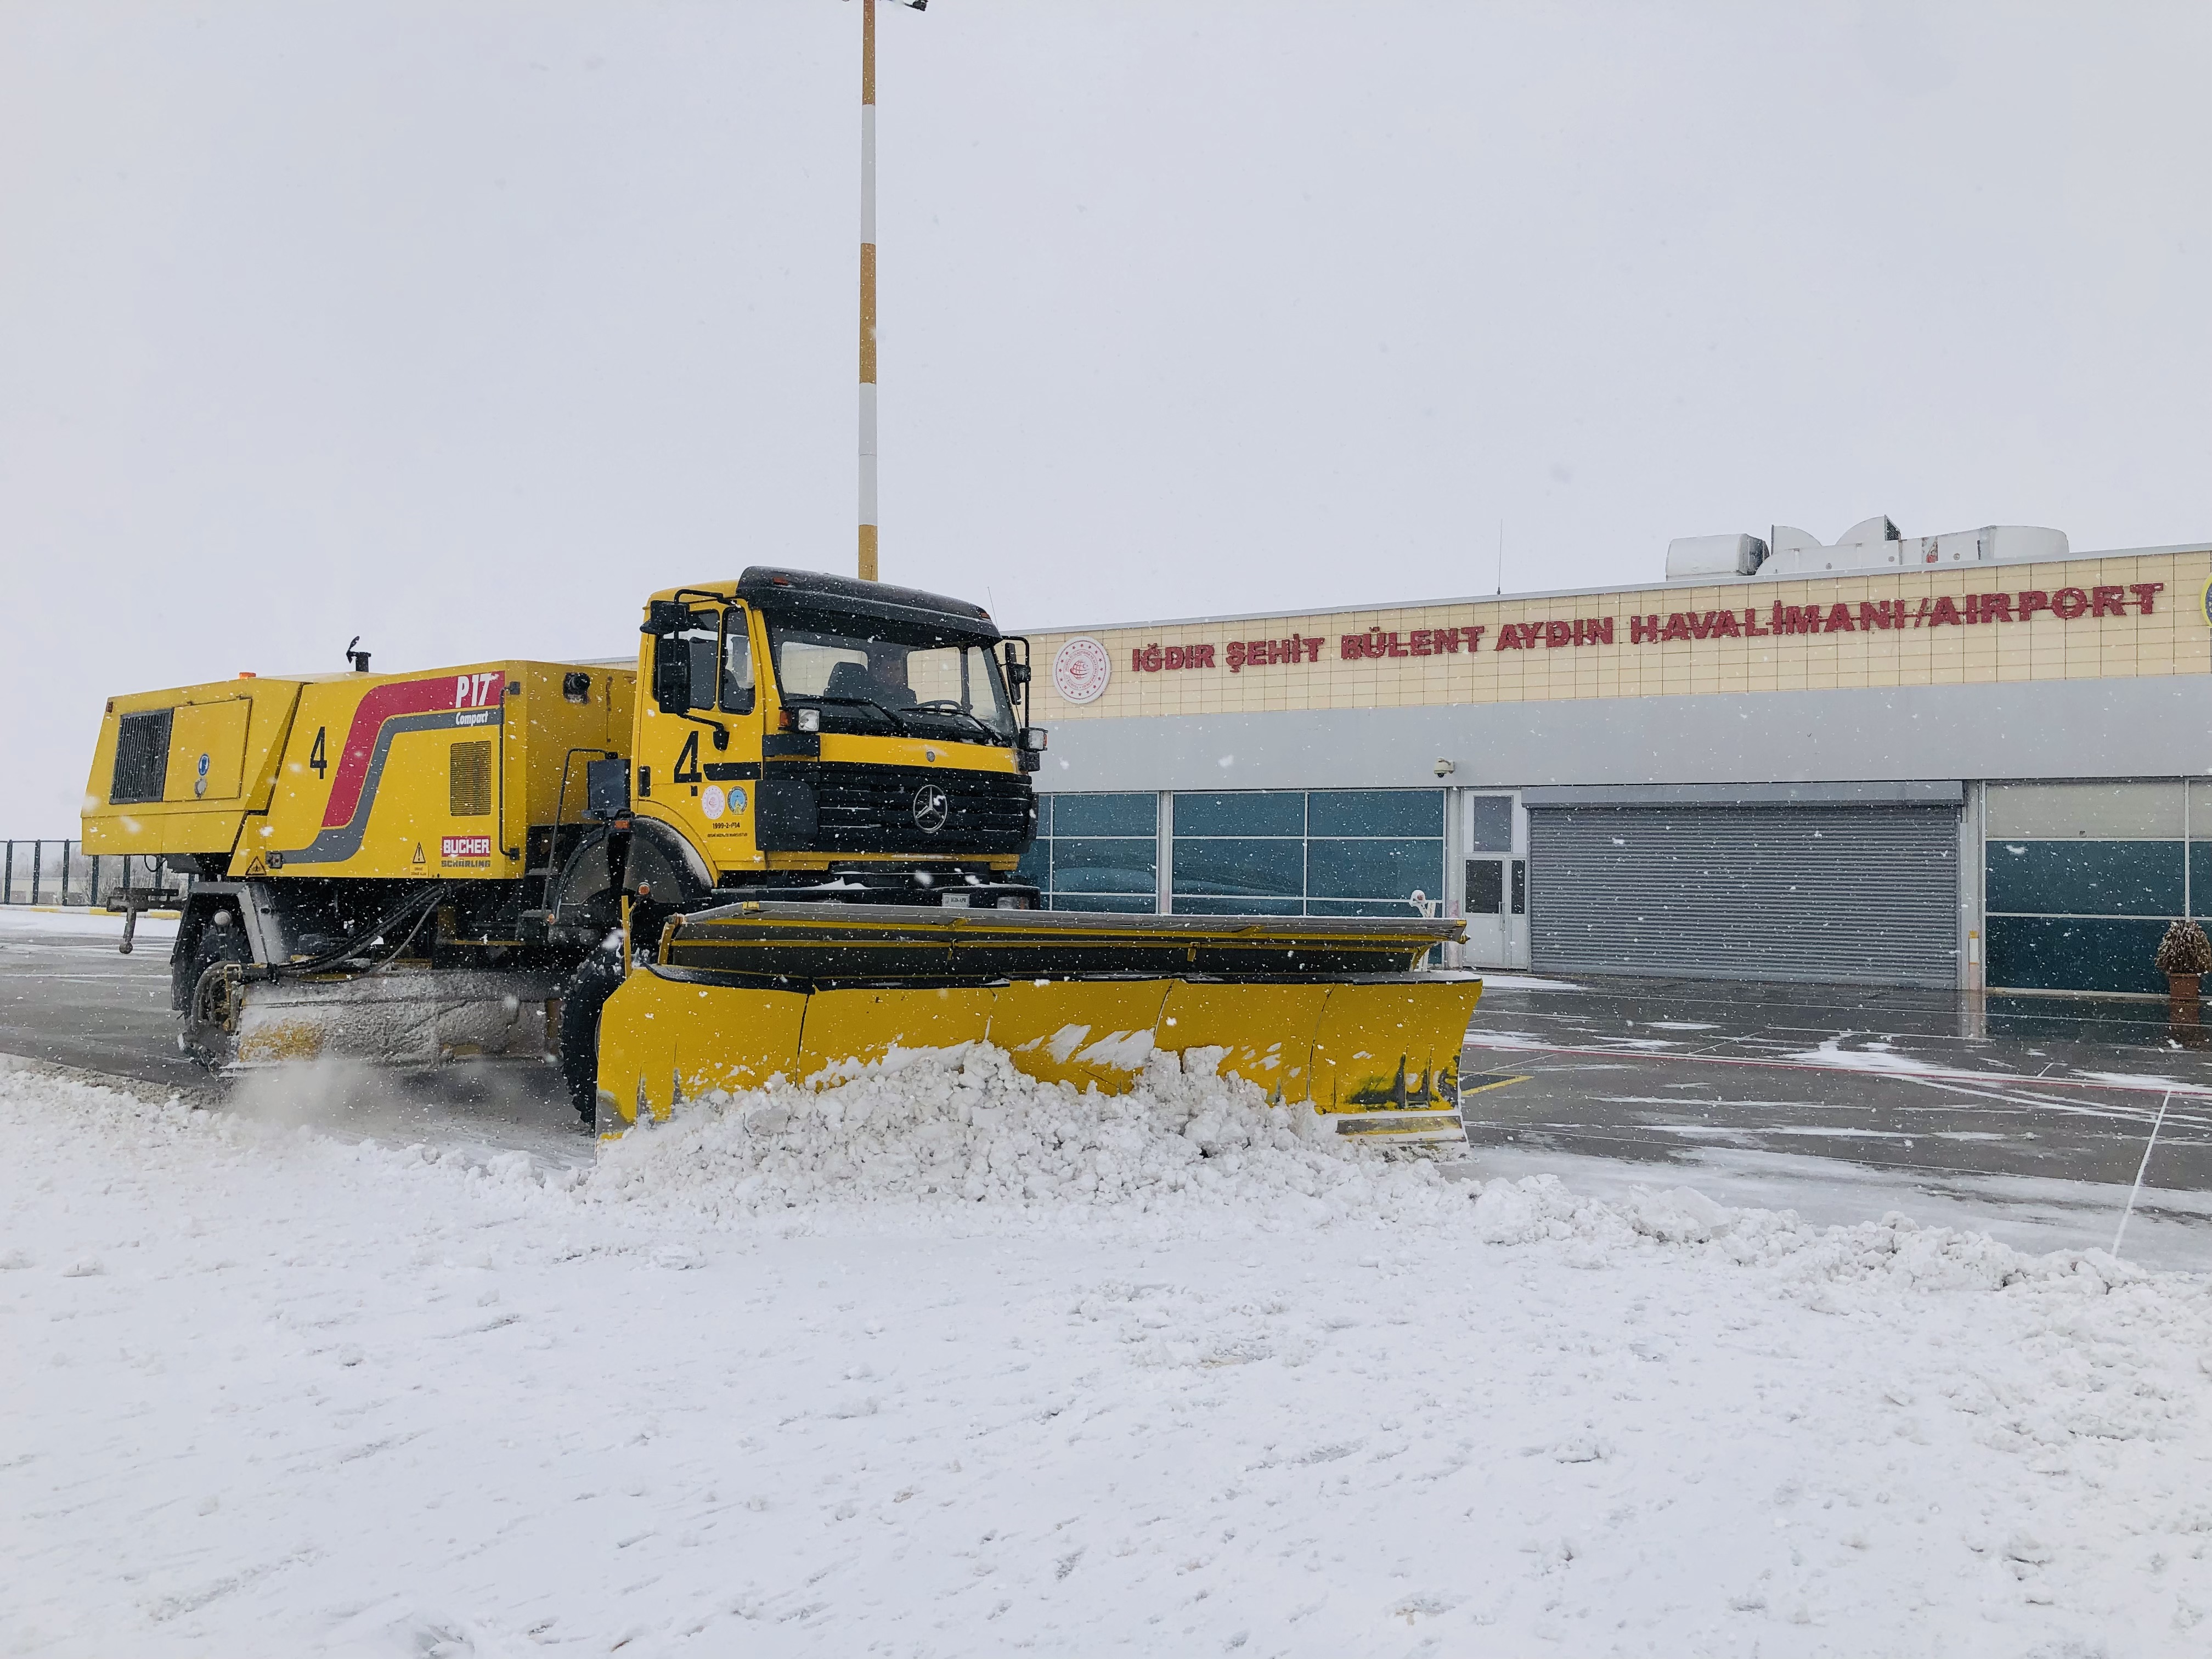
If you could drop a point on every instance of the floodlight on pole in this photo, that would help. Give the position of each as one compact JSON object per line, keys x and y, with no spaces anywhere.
{"x":868,"y":519}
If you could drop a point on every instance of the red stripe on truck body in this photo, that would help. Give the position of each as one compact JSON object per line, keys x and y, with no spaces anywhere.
{"x":377,"y":705}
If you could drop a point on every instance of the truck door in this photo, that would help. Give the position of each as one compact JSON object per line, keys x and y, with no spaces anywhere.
{"x":697,"y":757}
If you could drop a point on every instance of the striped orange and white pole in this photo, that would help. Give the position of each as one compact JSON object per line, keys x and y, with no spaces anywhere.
{"x":868,"y":524}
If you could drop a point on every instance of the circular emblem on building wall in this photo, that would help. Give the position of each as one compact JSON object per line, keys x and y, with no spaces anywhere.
{"x":2205,"y":604}
{"x":1080,"y":670}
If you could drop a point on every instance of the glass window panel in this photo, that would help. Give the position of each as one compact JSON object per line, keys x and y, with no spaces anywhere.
{"x":2085,"y":878}
{"x":1490,"y":823}
{"x":1104,"y":867}
{"x":1036,"y":866}
{"x":1485,"y":887}
{"x":1044,"y":816}
{"x":2200,"y":876}
{"x":1375,"y":812}
{"x":1374,"y":869}
{"x":701,"y":649}
{"x":1359,"y":908}
{"x":1107,"y":815}
{"x":1223,"y":905}
{"x":808,"y":667}
{"x":1256,"y":869}
{"x":736,"y":665}
{"x":874,"y":675}
{"x":1125,"y":903}
{"x":1251,"y":812}
{"x":2074,"y":953}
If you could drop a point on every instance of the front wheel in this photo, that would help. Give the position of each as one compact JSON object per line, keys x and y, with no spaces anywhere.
{"x":586,"y":994}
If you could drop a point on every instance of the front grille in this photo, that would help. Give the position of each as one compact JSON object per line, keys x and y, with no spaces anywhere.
{"x":846,"y":808}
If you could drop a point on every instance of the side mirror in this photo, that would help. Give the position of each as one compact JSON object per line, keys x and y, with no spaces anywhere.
{"x":672,"y":674}
{"x":666,"y":616}
{"x":606,"y":788}
{"x":1017,"y":673}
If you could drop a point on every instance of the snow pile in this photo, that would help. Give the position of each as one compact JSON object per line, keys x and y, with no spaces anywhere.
{"x":1894,"y":1249}
{"x":929,"y":1131}
{"x":962,"y":1126}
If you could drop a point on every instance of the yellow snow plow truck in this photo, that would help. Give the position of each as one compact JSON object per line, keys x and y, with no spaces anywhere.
{"x":797,"y":848}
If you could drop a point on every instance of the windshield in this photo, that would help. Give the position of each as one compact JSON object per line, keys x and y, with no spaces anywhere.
{"x":875,"y":677}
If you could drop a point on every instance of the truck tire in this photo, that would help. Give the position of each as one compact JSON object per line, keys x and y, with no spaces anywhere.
{"x":581,"y":998}
{"x":206,"y":947}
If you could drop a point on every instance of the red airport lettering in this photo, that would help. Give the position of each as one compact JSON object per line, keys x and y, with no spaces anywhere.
{"x":1168,"y":659}
{"x":1855,"y":616}
{"x":1423,"y":642}
{"x":1265,"y":653}
{"x":1581,"y":630}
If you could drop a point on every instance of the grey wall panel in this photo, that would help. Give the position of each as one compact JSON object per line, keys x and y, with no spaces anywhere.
{"x":1947,"y":792}
{"x":2140,"y":728}
{"x":1831,"y":894}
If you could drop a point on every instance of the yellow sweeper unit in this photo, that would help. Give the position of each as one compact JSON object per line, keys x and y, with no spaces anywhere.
{"x":797,"y":850}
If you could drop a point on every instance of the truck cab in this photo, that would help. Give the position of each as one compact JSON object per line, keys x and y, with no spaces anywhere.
{"x":800,"y":736}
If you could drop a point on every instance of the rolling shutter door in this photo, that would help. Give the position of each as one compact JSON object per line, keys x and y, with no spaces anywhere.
{"x":1836,"y":894}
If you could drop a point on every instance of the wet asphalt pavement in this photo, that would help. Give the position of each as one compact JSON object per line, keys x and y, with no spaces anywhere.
{"x":72,"y":1000}
{"x":1666,"y":1071}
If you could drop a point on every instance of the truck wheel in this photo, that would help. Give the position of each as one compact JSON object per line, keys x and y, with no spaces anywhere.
{"x":581,"y":998}
{"x":207,"y":1044}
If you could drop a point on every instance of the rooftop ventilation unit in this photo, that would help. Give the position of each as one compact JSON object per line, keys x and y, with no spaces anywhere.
{"x":1691,"y":556}
{"x":1870,"y":544}
{"x":1875,"y":544}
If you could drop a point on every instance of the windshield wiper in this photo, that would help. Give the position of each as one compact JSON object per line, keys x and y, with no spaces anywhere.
{"x":947,"y":707}
{"x":870,"y":702}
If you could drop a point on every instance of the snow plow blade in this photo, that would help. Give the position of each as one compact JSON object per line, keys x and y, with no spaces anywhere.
{"x":1325,"y":1013}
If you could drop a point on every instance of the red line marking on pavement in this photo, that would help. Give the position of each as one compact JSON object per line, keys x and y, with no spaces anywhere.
{"x":2021,"y":1078}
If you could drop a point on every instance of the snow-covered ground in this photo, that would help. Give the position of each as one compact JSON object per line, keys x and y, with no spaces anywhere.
{"x":945,"y":1362}
{"x":1493,"y":979}
{"x":2168,"y":1227}
{"x":23,"y":921}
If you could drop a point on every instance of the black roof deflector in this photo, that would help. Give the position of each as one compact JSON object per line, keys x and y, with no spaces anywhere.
{"x":768,"y":589}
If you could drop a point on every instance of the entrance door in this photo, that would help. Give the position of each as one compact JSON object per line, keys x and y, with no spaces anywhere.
{"x":1494,"y":900}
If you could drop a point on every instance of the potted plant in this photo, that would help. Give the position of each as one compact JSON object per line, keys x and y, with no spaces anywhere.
{"x":2184,"y":956}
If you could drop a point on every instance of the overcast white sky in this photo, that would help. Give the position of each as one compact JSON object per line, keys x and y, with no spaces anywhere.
{"x":461,"y":327}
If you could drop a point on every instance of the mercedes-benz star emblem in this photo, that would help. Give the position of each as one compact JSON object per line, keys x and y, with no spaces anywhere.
{"x":932,"y":807}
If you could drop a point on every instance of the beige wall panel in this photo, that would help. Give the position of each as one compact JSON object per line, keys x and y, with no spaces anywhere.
{"x":2095,"y":811}
{"x":2171,"y":640}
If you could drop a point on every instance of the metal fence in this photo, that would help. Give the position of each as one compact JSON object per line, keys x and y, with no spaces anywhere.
{"x":62,"y":872}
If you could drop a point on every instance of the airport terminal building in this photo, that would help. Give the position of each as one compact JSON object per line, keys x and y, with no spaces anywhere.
{"x":1978,"y":760}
